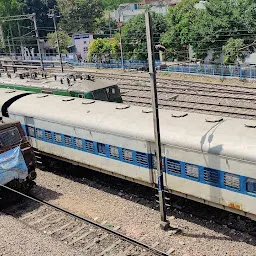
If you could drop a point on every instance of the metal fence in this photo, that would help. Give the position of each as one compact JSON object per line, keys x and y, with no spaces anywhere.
{"x":241,"y":71}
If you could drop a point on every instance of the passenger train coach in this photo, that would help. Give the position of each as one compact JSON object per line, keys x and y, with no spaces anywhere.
{"x":206,"y":158}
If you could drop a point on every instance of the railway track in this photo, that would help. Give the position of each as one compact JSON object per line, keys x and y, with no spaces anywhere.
{"x":188,"y":91}
{"x":213,"y":99}
{"x":172,"y":82}
{"x":82,"y":233}
{"x":212,"y":108}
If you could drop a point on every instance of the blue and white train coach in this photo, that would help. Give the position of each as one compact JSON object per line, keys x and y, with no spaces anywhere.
{"x":208,"y":159}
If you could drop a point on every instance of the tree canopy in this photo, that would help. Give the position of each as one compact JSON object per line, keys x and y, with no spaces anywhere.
{"x":79,"y":15}
{"x":220,"y":21}
{"x":64,"y":41}
{"x":134,"y":35}
{"x":103,"y":49}
{"x":179,"y":20}
{"x":40,"y":8}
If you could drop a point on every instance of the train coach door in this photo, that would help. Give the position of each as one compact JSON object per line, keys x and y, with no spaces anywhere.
{"x":154,"y":173}
{"x":30,"y":130}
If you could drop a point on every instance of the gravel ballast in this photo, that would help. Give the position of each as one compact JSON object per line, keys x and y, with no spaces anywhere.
{"x":198,"y":237}
{"x":18,"y":239}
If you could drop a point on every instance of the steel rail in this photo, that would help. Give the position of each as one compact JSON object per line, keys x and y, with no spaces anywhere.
{"x":195,"y":102}
{"x":192,"y":83}
{"x":219,"y":112}
{"x":115,"y":233}
{"x":192,"y":93}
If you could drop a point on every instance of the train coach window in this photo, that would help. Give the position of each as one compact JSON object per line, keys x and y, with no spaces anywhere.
{"x":31,"y":131}
{"x":173,"y":166}
{"x":211,"y":176}
{"x":251,"y":185}
{"x":232,"y":180}
{"x":68,"y":140}
{"x":192,"y":171}
{"x":39,"y":133}
{"x":89,"y":146}
{"x":142,"y":158}
{"x":9,"y":137}
{"x":113,"y":151}
{"x":78,"y":143}
{"x":48,"y":135}
{"x":101,"y":148}
{"x":127,"y":155}
{"x":58,"y":138}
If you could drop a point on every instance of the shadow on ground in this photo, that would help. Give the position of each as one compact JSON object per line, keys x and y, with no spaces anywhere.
{"x":221,"y":221}
{"x":17,"y":205}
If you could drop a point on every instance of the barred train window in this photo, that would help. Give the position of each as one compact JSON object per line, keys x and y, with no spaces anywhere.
{"x":127,"y":155}
{"x":113,"y":151}
{"x":31,"y":131}
{"x":48,"y":135}
{"x":251,"y":185}
{"x":57,"y":138}
{"x":89,"y":146}
{"x":101,"y":148}
{"x":192,"y":171}
{"x":10,"y":137}
{"x":68,"y":140}
{"x":232,"y":180}
{"x":78,"y":143}
{"x":142,"y":158}
{"x":39,"y":133}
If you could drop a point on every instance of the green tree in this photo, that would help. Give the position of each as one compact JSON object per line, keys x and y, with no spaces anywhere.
{"x":179,"y":20}
{"x":134,"y":35}
{"x":79,"y":15}
{"x":105,"y":25}
{"x":10,"y":7}
{"x":40,"y":8}
{"x":103,"y":49}
{"x":64,"y":41}
{"x":234,"y":50}
{"x":220,"y":21}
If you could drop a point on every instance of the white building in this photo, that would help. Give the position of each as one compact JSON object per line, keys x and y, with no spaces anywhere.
{"x":128,"y":11}
{"x":81,"y":43}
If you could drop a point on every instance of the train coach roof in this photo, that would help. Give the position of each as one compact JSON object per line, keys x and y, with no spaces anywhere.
{"x":8,"y":94}
{"x":232,"y":137}
{"x":50,"y":83}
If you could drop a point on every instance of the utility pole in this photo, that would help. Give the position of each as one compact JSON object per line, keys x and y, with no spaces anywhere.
{"x":151,"y":61}
{"x":2,"y":35}
{"x":21,"y":43}
{"x":13,"y":45}
{"x":9,"y":46}
{"x":120,"y":40}
{"x":52,"y":15}
{"x":38,"y":43}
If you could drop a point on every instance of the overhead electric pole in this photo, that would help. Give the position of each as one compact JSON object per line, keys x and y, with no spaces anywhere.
{"x":26,"y":17}
{"x":120,"y":39}
{"x":38,"y":42}
{"x":52,"y":15}
{"x":151,"y":62}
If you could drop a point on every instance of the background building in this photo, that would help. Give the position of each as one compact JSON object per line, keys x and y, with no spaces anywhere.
{"x":81,"y":43}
